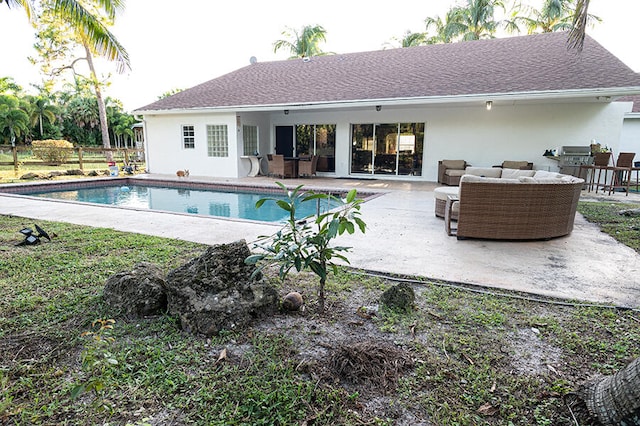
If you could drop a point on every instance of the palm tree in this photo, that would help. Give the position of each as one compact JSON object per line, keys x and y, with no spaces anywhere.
{"x":303,"y":44}
{"x":59,"y":32}
{"x":413,"y":39}
{"x":475,"y":21}
{"x":40,"y":108}
{"x":440,"y":27}
{"x":555,"y":15}
{"x":408,"y":40}
{"x":23,"y":4}
{"x":614,"y":399}
{"x":14,"y":122}
{"x":83,"y":21}
{"x":579,"y":24}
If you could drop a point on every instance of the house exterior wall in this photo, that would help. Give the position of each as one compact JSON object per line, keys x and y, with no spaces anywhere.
{"x":520,"y":132}
{"x":166,"y":153}
{"x":481,"y":137}
{"x":630,"y":137}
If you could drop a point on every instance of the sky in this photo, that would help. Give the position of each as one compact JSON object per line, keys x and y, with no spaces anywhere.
{"x":179,"y":44}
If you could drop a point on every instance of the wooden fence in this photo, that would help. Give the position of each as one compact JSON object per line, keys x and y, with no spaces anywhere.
{"x":80,"y":155}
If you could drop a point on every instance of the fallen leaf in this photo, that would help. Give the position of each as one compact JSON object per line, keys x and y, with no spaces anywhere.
{"x":222,"y":356}
{"x":487,"y":409}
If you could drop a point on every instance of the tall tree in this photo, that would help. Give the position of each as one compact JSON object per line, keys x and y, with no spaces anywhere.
{"x":409,"y":39}
{"x":14,"y":122}
{"x":58,"y":45}
{"x":303,"y":44}
{"x":412,"y":39}
{"x":474,"y":21}
{"x":579,"y":24}
{"x":438,"y":29}
{"x":554,"y":15}
{"x":9,"y":87}
{"x":41,"y":109}
{"x":86,"y":22}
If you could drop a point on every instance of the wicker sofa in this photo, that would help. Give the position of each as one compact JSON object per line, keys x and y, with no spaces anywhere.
{"x":525,"y":208}
{"x":442,"y":193}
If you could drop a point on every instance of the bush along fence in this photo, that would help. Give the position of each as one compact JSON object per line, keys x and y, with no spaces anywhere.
{"x":59,"y":153}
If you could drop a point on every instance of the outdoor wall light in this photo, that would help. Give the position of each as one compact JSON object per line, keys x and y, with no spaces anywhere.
{"x":286,"y":112}
{"x":489,"y":104}
{"x":378,"y":107}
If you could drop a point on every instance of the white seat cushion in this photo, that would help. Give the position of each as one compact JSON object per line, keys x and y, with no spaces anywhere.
{"x":516,"y":173}
{"x":454,"y":172}
{"x":442,"y":192}
{"x":493,"y":172}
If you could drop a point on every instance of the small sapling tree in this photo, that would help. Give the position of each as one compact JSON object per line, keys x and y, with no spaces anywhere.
{"x":305,"y":243}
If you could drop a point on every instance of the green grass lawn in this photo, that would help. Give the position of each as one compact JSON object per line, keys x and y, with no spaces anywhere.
{"x":477,"y":358}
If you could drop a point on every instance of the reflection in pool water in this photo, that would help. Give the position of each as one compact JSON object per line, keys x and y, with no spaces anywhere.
{"x":238,"y":205}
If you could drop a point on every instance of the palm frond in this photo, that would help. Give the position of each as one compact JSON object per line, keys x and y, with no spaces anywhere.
{"x":24,"y":4}
{"x":101,"y":39}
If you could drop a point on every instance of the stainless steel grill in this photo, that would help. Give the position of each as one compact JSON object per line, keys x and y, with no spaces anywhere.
{"x":572,"y":157}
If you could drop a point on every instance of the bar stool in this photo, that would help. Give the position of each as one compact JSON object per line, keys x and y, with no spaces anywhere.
{"x":621,"y":172}
{"x":600,"y":163}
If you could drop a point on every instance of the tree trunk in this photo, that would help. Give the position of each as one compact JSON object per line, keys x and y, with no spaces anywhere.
{"x":615,"y":400}
{"x":102,"y":110}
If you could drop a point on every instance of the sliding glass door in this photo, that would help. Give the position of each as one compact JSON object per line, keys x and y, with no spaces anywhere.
{"x":387,"y":149}
{"x":320,"y":140}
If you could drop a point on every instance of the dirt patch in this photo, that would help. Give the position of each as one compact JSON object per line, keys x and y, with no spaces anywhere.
{"x":370,"y":363}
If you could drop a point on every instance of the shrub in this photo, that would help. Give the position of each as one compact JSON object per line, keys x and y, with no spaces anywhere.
{"x":301,"y":246}
{"x":52,"y":151}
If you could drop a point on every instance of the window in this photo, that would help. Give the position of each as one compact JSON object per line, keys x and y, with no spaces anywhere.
{"x":188,"y":137}
{"x":387,"y":149}
{"x":250,"y":139}
{"x":217,"y":141}
{"x":320,"y":140}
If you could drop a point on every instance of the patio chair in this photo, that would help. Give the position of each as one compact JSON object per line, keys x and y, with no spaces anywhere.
{"x":518,"y":165}
{"x":280,"y":167}
{"x":621,"y":172}
{"x":450,"y":171}
{"x":308,"y":167}
{"x":600,"y":163}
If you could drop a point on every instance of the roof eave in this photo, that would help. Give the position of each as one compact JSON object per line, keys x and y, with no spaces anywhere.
{"x":600,"y":94}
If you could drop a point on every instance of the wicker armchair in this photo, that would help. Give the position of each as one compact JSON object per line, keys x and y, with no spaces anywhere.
{"x":308,"y":167}
{"x":450,"y":171}
{"x":280,"y":167}
{"x":518,"y":165}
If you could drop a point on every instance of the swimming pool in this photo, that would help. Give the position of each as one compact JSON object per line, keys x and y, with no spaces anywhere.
{"x":208,"y":200}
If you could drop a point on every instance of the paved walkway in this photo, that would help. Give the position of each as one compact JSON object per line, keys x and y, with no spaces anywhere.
{"x":403,"y":237}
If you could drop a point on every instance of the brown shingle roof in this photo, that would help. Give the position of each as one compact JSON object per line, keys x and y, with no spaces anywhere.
{"x":536,"y":63}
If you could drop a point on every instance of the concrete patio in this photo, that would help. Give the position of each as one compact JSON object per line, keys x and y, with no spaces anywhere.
{"x":403,"y":237}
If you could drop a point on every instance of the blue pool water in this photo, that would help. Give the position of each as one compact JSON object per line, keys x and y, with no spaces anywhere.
{"x":238,"y":205}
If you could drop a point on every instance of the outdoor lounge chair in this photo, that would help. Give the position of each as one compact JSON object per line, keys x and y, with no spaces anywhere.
{"x":450,"y":171}
{"x":518,"y":165}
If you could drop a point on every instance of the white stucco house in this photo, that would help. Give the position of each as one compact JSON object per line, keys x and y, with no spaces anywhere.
{"x":395,"y":113}
{"x":630,"y":137}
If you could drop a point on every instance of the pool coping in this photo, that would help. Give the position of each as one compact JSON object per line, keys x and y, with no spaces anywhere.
{"x":19,"y":189}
